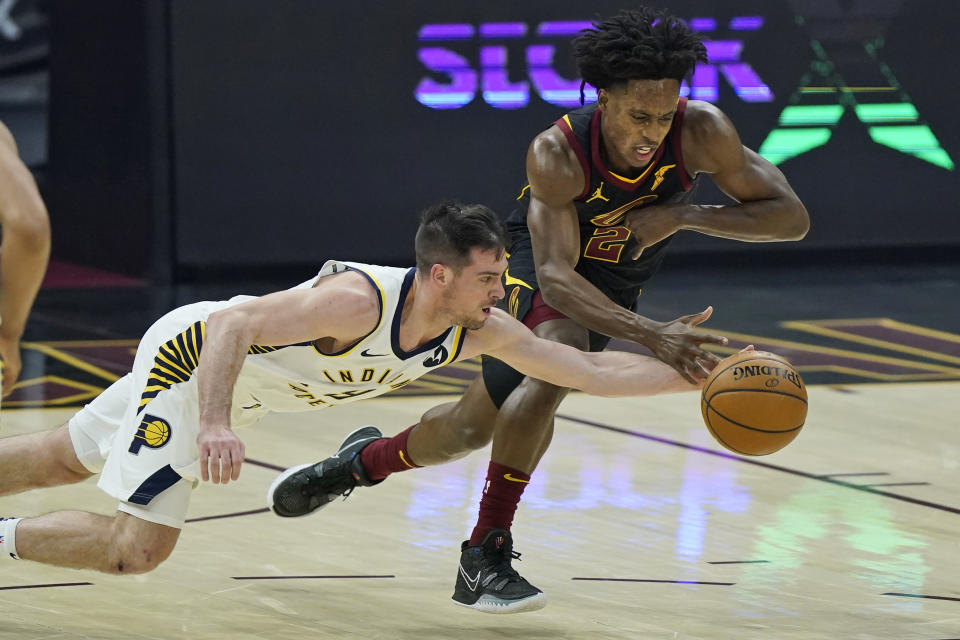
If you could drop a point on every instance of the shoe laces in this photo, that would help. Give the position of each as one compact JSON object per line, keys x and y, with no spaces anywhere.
{"x":330,"y":479}
{"x":504,"y":571}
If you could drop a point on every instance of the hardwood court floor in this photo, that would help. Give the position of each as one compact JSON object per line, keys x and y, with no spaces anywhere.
{"x":637,"y":525}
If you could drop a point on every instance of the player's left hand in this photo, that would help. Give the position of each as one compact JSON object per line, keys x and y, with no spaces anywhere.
{"x":221,"y":454}
{"x":649,"y":225}
{"x":11,"y":363}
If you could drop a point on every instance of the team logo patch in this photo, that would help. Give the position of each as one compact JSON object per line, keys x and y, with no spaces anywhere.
{"x":439,"y":356}
{"x":660,"y":175}
{"x":153,"y":432}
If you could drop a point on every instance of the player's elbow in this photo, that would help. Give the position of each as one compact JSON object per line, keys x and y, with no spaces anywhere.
{"x":28,"y":228}
{"x":797,"y":222}
{"x":232,"y":320}
{"x":553,"y":287}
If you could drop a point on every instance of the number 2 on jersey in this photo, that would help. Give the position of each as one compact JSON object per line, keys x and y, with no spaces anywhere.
{"x":607,"y":244}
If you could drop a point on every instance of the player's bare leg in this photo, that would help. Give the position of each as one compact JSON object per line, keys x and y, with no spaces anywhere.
{"x":365,"y":457}
{"x":122,"y":544}
{"x":524,"y":425}
{"x":77,"y":539}
{"x":42,"y":459}
{"x":486,"y":579}
{"x":452,"y":430}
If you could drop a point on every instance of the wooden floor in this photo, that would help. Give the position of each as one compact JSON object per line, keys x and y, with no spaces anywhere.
{"x":637,"y":525}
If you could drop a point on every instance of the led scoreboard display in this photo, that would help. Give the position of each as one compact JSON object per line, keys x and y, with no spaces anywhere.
{"x":801,"y":126}
{"x":492,"y":82}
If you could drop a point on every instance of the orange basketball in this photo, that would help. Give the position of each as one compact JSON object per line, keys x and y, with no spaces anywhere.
{"x":754,"y":403}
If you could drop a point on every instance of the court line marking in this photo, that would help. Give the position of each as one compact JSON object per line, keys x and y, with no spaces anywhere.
{"x":758,"y":463}
{"x":229,"y":515}
{"x":829,"y":329}
{"x":265,"y":465}
{"x":896,"y":484}
{"x":909,"y":365}
{"x":72,"y":360}
{"x":43,"y":586}
{"x":307,"y":577}
{"x":721,"y":584}
{"x":918,"y":595}
{"x":863,"y":473}
{"x":739,"y":562}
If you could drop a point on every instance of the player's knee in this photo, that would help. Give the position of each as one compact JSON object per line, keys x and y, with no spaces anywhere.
{"x":137,"y":546}
{"x":130,"y":557}
{"x":540,"y":397}
{"x":475,"y":436}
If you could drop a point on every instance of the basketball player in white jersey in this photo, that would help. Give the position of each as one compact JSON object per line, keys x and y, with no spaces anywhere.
{"x":23,"y":255}
{"x":354,"y":331}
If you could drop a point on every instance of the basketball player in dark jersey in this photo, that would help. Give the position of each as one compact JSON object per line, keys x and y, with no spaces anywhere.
{"x":608,"y":186}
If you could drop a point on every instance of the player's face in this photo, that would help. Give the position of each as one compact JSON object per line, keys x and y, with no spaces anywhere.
{"x":476,"y":288}
{"x":636,"y":119}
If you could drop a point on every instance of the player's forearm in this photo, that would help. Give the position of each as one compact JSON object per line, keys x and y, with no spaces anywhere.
{"x":628,"y":374}
{"x":772,"y":220}
{"x":225,"y":346}
{"x":577,"y":298}
{"x":23,"y":263}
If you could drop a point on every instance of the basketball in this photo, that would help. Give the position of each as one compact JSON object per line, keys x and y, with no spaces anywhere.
{"x":754,"y":403}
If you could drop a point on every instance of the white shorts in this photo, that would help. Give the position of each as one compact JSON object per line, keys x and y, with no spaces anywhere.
{"x":141,"y":432}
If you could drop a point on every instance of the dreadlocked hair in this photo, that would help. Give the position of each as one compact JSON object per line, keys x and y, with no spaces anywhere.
{"x":641,"y":44}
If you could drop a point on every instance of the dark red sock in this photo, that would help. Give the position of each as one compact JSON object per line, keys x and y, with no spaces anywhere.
{"x":500,"y":498}
{"x":388,"y":455}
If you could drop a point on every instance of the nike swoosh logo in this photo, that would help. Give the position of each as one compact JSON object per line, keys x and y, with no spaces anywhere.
{"x":366,"y":352}
{"x":472,"y":583}
{"x":509,"y":477}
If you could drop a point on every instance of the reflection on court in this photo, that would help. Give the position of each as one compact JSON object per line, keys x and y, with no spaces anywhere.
{"x":651,"y":531}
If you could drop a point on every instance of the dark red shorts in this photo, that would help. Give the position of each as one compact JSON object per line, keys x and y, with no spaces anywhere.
{"x":540,"y":311}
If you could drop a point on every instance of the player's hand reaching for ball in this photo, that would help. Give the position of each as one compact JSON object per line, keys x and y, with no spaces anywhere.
{"x":221,"y":454}
{"x":678,"y":345}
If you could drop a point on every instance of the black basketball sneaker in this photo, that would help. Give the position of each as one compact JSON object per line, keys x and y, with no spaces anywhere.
{"x":301,"y":490}
{"x":487,"y":582}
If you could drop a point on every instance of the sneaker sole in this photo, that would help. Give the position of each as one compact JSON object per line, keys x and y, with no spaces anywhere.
{"x":489,"y":604}
{"x":292,"y":470}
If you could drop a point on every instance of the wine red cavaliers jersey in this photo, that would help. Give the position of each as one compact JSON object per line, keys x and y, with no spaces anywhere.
{"x":606,"y":245}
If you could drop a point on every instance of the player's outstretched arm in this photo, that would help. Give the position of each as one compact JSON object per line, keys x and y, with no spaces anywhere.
{"x":609,"y":373}
{"x":23,"y":255}
{"x":341,"y":307}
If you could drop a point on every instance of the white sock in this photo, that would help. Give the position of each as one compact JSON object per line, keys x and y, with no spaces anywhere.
{"x":8,"y":537}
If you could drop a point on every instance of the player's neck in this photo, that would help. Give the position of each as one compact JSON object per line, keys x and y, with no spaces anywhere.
{"x":420,"y":319}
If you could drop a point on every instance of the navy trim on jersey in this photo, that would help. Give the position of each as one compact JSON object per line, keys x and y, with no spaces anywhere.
{"x":156,"y":484}
{"x":395,"y":327}
{"x":356,"y":342}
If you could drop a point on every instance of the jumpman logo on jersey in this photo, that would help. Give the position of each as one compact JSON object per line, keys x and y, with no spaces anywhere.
{"x":598,"y":194}
{"x":660,"y":174}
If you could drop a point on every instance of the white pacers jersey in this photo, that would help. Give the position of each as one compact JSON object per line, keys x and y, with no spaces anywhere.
{"x":142,"y":431}
{"x":300,"y":377}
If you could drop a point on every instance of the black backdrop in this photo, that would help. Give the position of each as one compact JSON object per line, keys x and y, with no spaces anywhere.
{"x":291,"y":131}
